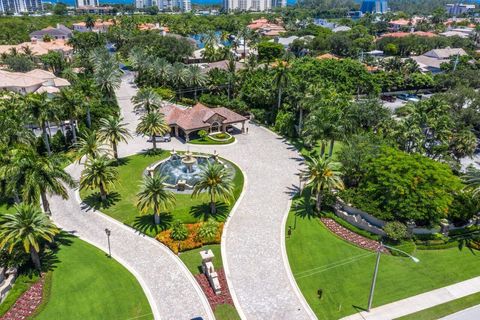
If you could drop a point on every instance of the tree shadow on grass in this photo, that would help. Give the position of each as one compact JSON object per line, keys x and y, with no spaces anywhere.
{"x":94,"y":200}
{"x":359,"y":309}
{"x":122,"y":162}
{"x":145,"y":224}
{"x":202,"y":211}
{"x":303,"y":205}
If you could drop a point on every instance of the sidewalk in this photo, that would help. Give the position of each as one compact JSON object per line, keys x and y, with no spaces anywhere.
{"x":420,"y":302}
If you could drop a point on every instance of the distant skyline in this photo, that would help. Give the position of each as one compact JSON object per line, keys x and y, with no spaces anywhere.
{"x":72,"y":2}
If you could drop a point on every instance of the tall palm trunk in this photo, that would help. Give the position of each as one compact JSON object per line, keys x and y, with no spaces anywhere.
{"x":300,"y":122}
{"x":45,"y":138}
{"x":89,"y":117}
{"x":318,"y":205}
{"x":103,"y":193}
{"x":279,"y":99}
{"x":74,"y":130}
{"x":213,"y":207}
{"x":45,"y":203}
{"x":35,"y":258}
{"x":156,"y":216}
{"x":322,"y":148}
{"x":154,"y":141}
{"x":330,"y":151}
{"x":195,"y":94}
{"x":115,"y":151}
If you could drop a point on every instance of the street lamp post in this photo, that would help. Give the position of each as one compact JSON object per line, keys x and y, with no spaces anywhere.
{"x":108,"y":232}
{"x":375,"y":271}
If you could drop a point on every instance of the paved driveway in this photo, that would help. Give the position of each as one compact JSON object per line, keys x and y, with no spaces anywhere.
{"x":253,"y":249}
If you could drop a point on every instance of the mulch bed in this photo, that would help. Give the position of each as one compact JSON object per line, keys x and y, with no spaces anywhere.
{"x":27,"y":303}
{"x":351,"y":236}
{"x":213,"y":299}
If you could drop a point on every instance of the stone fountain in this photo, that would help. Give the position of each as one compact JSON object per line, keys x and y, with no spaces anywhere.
{"x":189,"y":160}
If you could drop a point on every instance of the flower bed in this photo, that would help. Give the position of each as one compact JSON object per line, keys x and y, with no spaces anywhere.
{"x":223,"y":298}
{"x":220,"y":136}
{"x":28,"y":302}
{"x":192,"y":242}
{"x":352,"y":237}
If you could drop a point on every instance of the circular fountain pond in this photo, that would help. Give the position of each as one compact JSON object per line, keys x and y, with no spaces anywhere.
{"x":183,"y":170}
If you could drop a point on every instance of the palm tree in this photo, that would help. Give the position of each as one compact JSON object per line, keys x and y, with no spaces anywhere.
{"x":26,"y":227}
{"x":40,"y":109}
{"x":89,"y":91}
{"x":217,"y":182}
{"x":196,"y":78}
{"x":162,"y":70}
{"x":70,"y":101}
{"x":99,"y":173}
{"x":107,"y":75}
{"x":113,"y":131}
{"x":322,"y":175}
{"x":153,"y":124}
{"x":154,"y":196}
{"x":89,"y":146}
{"x":281,"y":79}
{"x":89,"y":22}
{"x":146,"y":99}
{"x":178,"y":75}
{"x":35,"y":176}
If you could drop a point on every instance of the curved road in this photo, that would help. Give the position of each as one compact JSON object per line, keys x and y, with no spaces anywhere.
{"x":253,"y":249}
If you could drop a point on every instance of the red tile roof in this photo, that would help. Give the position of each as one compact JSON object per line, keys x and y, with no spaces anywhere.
{"x":406,"y":34}
{"x":196,"y":117}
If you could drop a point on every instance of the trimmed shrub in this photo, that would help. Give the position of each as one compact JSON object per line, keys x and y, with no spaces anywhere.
{"x":396,"y":230}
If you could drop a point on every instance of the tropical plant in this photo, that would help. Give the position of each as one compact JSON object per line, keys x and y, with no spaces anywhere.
{"x":154,"y":196}
{"x":396,"y":230}
{"x":70,"y":101}
{"x":472,"y":180}
{"x":113,"y":131}
{"x":26,"y":227}
{"x":153,"y":124}
{"x":195,"y":78}
{"x":215,"y":179}
{"x":147,"y":100}
{"x":322,"y":175}
{"x":179,"y":231}
{"x":107,"y":75}
{"x":89,"y":22}
{"x":281,"y":79}
{"x":34,"y":176}
{"x":89,"y":145}
{"x":99,"y":173}
{"x":208,"y":230}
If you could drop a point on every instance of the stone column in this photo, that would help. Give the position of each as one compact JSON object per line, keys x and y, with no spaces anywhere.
{"x":176,"y":131}
{"x":243,"y":126}
{"x":187,"y":136}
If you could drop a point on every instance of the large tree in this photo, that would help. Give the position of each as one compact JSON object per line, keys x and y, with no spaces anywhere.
{"x":99,"y":173}
{"x":322,"y":175}
{"x":154,"y":196}
{"x":153,"y":124}
{"x":146,"y":100}
{"x":26,"y":227}
{"x":113,"y":131}
{"x":214,"y":179}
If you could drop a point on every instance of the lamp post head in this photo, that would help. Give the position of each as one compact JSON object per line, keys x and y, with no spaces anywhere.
{"x":108,"y":232}
{"x":416,"y":260}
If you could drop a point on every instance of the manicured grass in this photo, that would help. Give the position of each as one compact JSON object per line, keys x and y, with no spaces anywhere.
{"x":320,"y":260}
{"x":121,"y":203}
{"x":300,"y":145}
{"x":226,"y":312}
{"x":209,"y":140}
{"x":86,"y":284}
{"x":445,"y":309}
{"x":193,"y":261}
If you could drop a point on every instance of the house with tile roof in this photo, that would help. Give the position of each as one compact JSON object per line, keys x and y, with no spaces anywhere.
{"x":35,"y":81}
{"x":60,"y":32}
{"x":39,"y":48}
{"x":185,"y":121}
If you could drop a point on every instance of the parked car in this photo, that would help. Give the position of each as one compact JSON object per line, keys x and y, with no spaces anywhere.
{"x":165,"y":138}
{"x":408,"y":97}
{"x":388,"y":98}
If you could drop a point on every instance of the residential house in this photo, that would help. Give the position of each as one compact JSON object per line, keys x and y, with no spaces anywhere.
{"x":186,"y":121}
{"x":35,"y":81}
{"x":431,"y":61}
{"x":99,"y":26}
{"x":39,"y":48}
{"x":60,"y":32}
{"x":267,"y":28}
{"x":455,"y":9}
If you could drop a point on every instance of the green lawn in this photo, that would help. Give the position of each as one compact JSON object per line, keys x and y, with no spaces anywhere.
{"x":22,"y":284}
{"x":226,"y":312}
{"x":320,"y":260}
{"x":121,"y":203}
{"x":193,"y":261}
{"x":86,"y":284}
{"x":445,"y":309}
{"x":209,"y":140}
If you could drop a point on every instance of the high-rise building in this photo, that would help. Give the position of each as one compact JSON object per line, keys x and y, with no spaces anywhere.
{"x":252,"y":5}
{"x":164,"y":5}
{"x":86,"y":3}
{"x":19,"y":6}
{"x":374,"y":6}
